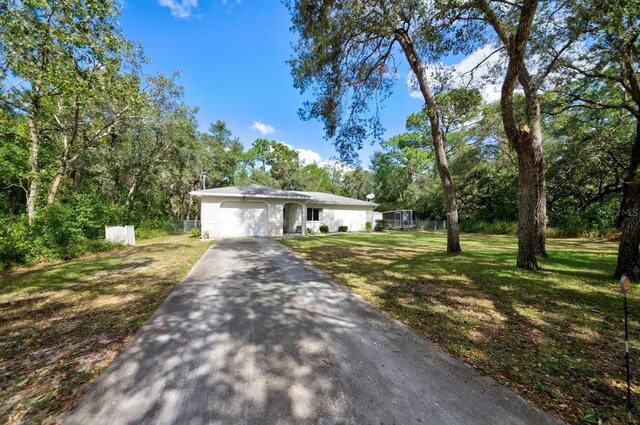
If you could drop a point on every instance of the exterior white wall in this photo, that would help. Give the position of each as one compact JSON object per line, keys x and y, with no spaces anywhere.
{"x":354,"y":217}
{"x":210,"y":214}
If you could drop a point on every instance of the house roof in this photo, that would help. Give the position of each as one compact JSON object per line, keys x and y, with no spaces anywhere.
{"x":329,"y":199}
{"x":258,"y":191}
{"x":250,"y":191}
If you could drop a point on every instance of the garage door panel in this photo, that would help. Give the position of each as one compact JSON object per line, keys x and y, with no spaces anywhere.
{"x":243,"y":219}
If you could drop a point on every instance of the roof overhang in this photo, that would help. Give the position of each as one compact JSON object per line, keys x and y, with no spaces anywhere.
{"x":201,"y":193}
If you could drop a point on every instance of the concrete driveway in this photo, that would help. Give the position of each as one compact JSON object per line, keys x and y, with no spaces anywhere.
{"x":255,"y":335}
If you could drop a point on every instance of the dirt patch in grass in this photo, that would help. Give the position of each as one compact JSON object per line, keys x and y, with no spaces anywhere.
{"x":554,"y":336}
{"x":61,"y":324}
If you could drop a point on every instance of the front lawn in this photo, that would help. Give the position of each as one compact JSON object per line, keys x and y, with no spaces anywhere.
{"x":553,"y":336}
{"x":62,"y":323}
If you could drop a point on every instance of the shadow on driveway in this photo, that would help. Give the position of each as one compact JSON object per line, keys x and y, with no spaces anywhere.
{"x":255,"y":335}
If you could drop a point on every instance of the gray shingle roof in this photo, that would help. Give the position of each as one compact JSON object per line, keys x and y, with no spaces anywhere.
{"x":250,"y":191}
{"x":258,"y":191}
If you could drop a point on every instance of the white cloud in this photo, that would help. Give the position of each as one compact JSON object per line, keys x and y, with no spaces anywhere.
{"x":306,"y":156}
{"x":335,"y":164}
{"x":179,"y":8}
{"x":474,"y":70}
{"x":263,"y":128}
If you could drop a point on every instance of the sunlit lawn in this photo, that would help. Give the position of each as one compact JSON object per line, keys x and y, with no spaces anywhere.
{"x":553,"y":336}
{"x":61,"y":324}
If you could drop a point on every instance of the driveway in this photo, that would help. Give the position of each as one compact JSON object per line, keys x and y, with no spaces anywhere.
{"x":255,"y":335}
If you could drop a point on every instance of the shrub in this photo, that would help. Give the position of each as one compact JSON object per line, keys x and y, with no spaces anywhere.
{"x":14,"y":241}
{"x":148,"y":228}
{"x":367,"y":226}
{"x":380,"y":225}
{"x":58,"y":232}
{"x":496,"y":227}
{"x":324,"y":229}
{"x":195,"y":232}
{"x":342,"y":228}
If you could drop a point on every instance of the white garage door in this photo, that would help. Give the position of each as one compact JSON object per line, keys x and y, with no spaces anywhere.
{"x":243,"y":219}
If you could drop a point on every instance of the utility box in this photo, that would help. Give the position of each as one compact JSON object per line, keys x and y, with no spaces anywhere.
{"x":124,"y":235}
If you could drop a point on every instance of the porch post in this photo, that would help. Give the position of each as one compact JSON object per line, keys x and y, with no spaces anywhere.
{"x":304,"y":219}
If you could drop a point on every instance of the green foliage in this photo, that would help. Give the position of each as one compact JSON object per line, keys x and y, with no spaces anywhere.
{"x":342,"y":228}
{"x":152,"y":228}
{"x":324,"y":228}
{"x":312,"y":178}
{"x":368,"y":226}
{"x":380,"y":226}
{"x":14,"y":241}
{"x":497,"y":227}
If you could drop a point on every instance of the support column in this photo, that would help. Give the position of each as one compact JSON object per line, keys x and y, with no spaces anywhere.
{"x":304,"y":219}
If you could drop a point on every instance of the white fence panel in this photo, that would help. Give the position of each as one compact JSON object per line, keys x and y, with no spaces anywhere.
{"x":120,"y":234}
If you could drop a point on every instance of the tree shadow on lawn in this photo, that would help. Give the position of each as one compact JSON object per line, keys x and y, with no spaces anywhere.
{"x":62,"y":323}
{"x":552,"y":335}
{"x":67,"y":274}
{"x":556,"y":342}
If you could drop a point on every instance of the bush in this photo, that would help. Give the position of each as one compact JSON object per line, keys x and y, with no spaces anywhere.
{"x":367,"y":226}
{"x":381,"y":225}
{"x":324,"y":229}
{"x":58,"y":232}
{"x":14,"y":241}
{"x":148,"y":228}
{"x":497,"y":227}
{"x":342,"y":228}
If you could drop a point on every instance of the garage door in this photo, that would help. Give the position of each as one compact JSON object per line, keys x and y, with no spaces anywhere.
{"x":243,"y":219}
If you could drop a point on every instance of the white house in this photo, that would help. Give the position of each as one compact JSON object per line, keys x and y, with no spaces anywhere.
{"x":255,"y":210}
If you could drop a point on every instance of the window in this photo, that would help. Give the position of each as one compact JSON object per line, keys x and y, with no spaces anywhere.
{"x":314,"y":214}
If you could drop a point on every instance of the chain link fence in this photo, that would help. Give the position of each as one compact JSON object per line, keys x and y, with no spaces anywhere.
{"x":183,"y":226}
{"x":431,"y":225}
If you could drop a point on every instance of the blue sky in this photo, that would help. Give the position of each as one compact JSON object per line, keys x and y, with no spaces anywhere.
{"x":231,"y":58}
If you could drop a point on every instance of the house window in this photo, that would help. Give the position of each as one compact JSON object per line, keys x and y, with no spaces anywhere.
{"x":314,"y":214}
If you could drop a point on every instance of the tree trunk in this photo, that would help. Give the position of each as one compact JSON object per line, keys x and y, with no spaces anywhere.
{"x":541,"y":195}
{"x":629,"y":248}
{"x":33,"y":163}
{"x":130,"y":195}
{"x":529,"y":152}
{"x":534,"y":118}
{"x":62,"y":169}
{"x":527,"y":202}
{"x":189,"y":206}
{"x":448,"y":189}
{"x":632,"y":172}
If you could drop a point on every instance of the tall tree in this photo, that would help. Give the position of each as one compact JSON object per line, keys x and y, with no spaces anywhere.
{"x":534,"y":36}
{"x":347,"y":53}
{"x":608,"y":69}
{"x":223,"y":155}
{"x":46,"y":50}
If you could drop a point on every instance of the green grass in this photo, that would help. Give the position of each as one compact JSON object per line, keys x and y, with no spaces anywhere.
{"x":553,"y":336}
{"x":62,"y":323}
